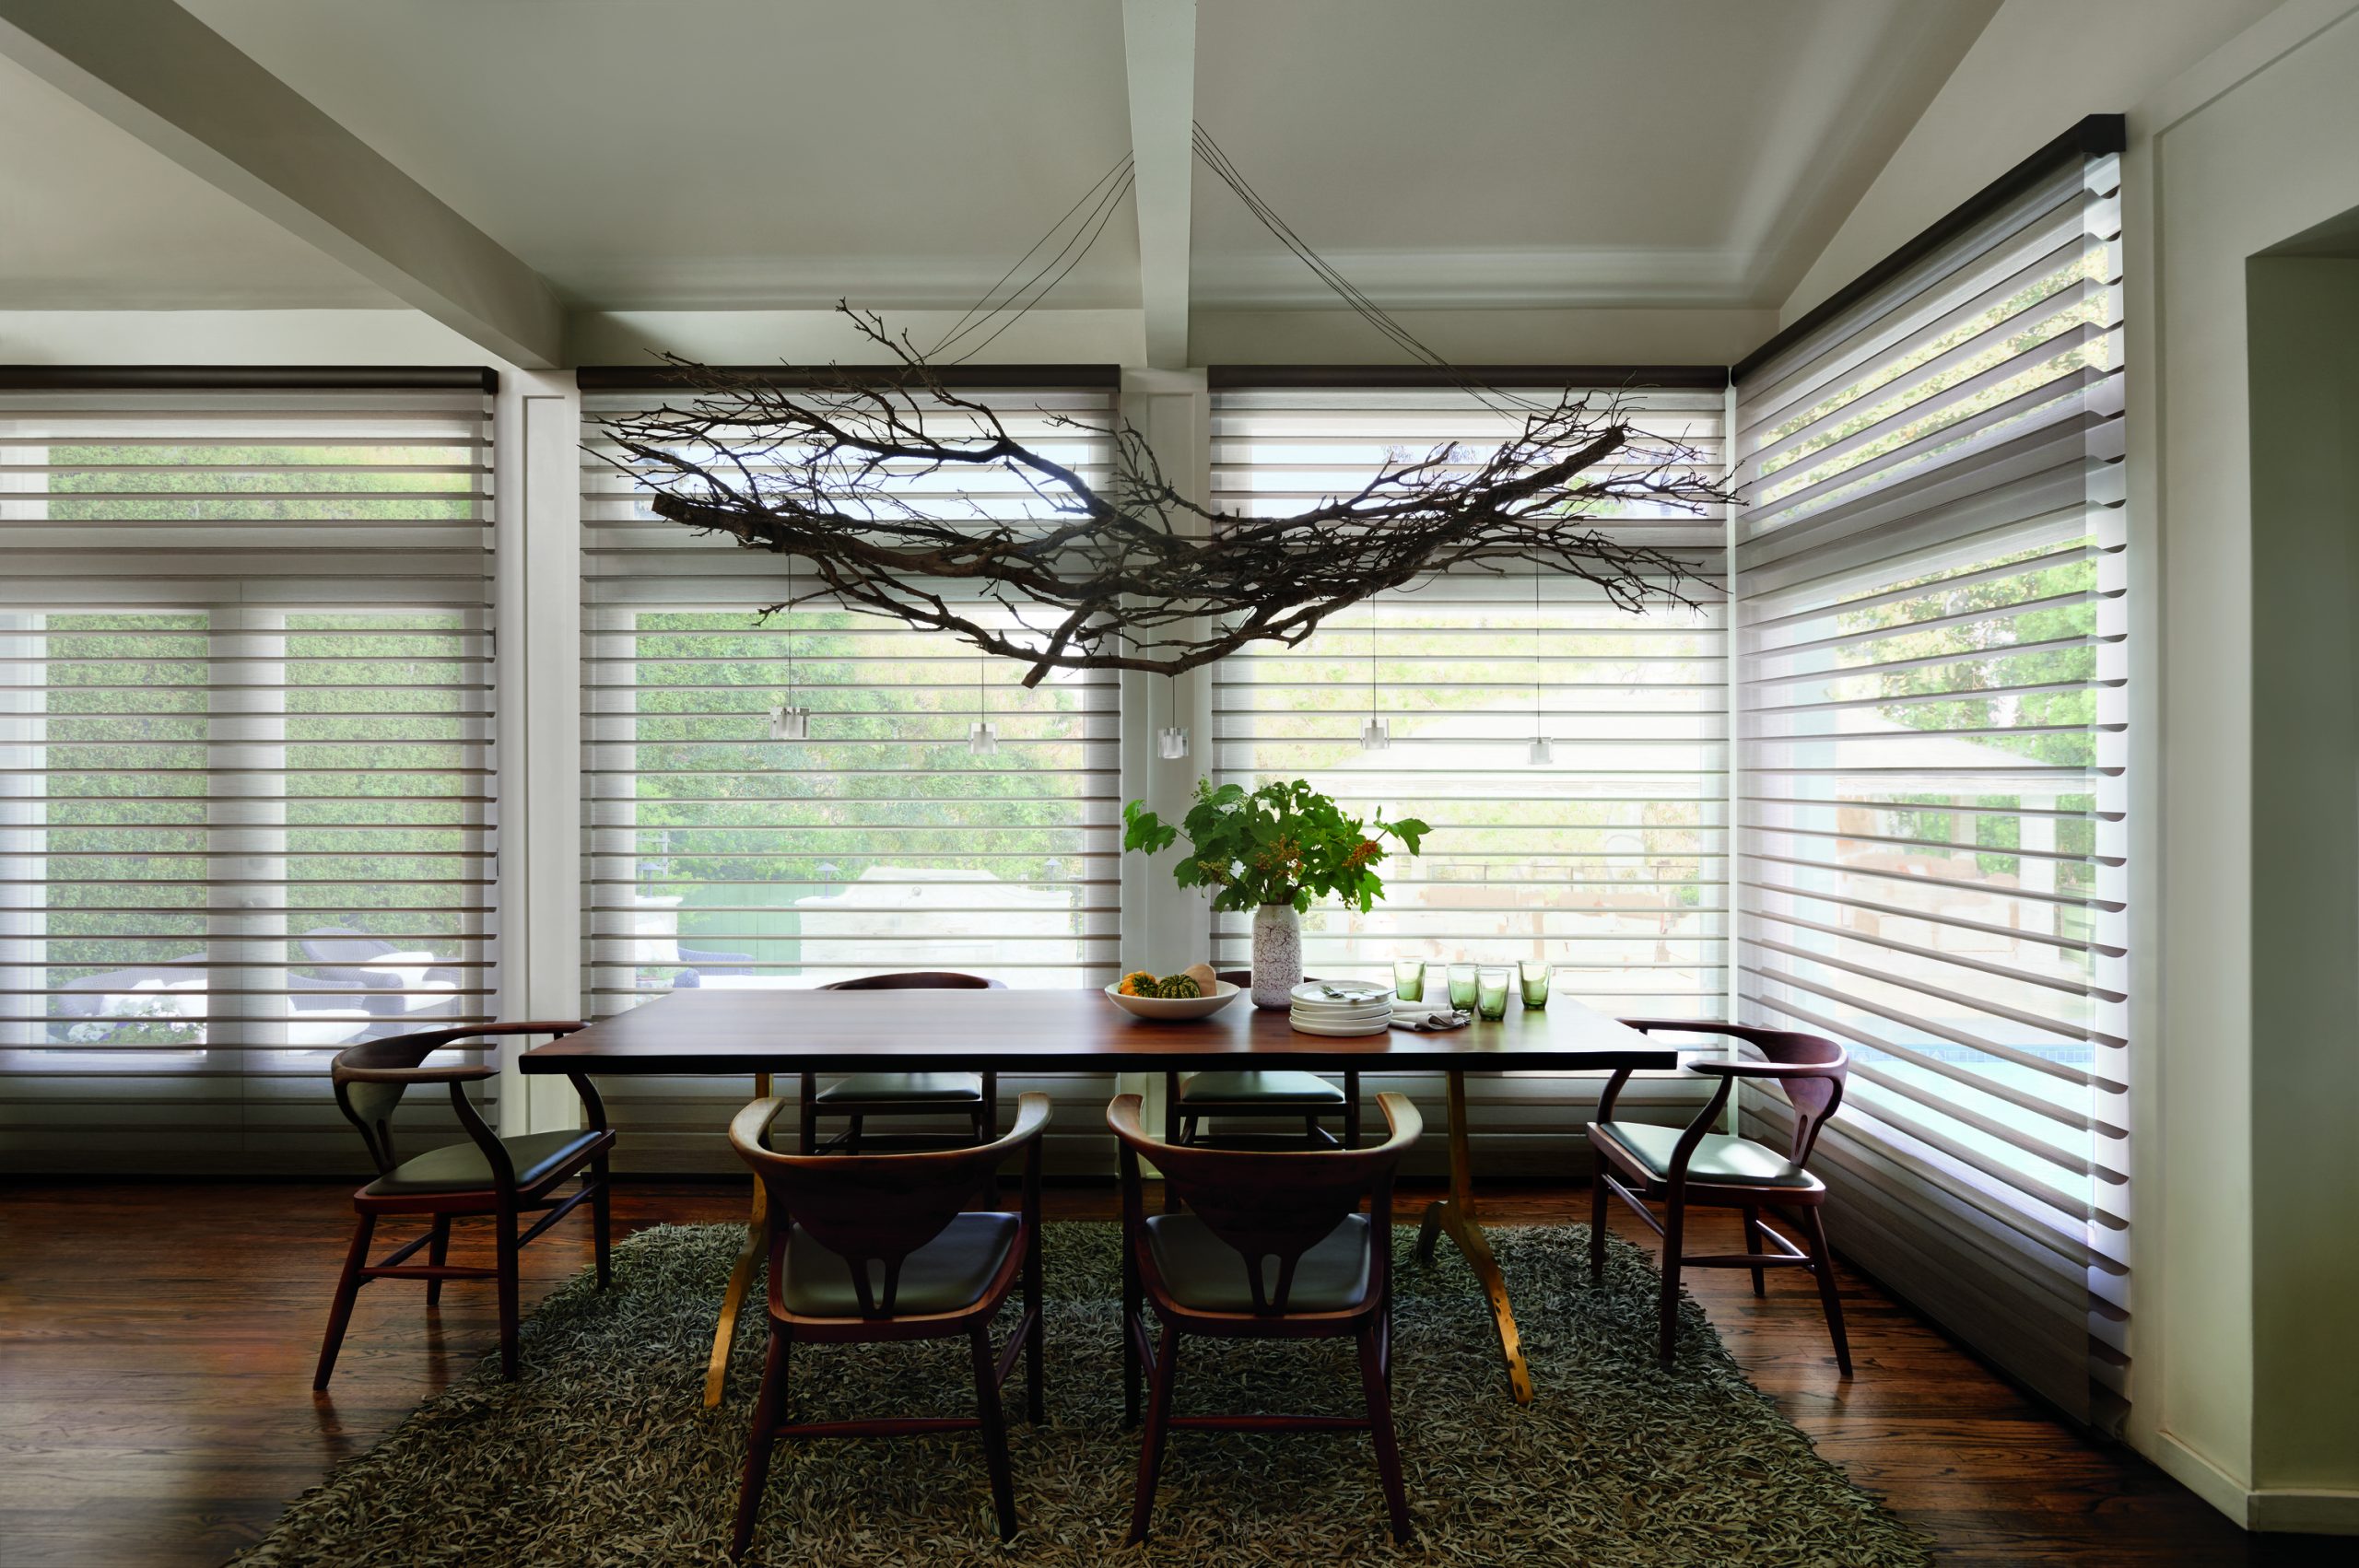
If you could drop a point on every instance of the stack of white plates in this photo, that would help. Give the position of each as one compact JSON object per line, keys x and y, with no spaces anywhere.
{"x":1342,"y":1007}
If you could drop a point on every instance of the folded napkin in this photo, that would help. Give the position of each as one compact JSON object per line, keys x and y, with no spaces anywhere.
{"x":1430,"y":1017}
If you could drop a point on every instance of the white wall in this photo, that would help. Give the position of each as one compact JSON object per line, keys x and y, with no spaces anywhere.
{"x":2258,"y":144}
{"x":2038,"y":66}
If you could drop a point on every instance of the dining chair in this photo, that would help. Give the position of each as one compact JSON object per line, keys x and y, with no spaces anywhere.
{"x":488,"y":1176}
{"x":875,"y":1248}
{"x":1694,"y":1166}
{"x":1209,"y":1271}
{"x":864,"y":1095}
{"x":1190,"y":1102}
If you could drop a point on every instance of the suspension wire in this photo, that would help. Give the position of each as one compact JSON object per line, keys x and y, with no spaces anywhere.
{"x":959,"y":328}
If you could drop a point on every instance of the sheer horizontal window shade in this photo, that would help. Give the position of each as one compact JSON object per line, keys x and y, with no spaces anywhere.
{"x":717,"y":856}
{"x":1931,"y":817}
{"x":246,"y":813}
{"x":1609,"y":859}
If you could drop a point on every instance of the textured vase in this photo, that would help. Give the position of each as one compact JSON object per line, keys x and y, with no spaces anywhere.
{"x":1277,"y":954}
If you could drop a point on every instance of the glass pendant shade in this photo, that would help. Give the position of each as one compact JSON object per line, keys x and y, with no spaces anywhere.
{"x":982,"y":738}
{"x":1375,"y":734}
{"x":789,"y":721}
{"x":1543,"y":751}
{"x":1171,"y":742}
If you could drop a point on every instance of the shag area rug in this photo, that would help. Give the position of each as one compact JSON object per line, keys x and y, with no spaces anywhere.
{"x":603,"y":1451}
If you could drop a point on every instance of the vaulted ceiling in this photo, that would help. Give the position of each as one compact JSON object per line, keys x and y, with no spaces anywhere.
{"x":781,"y":154}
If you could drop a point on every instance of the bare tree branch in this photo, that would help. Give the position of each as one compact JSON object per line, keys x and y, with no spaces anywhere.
{"x":848,"y":473}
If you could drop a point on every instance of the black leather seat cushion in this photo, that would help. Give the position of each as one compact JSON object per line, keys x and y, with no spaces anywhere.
{"x":1260,"y":1088}
{"x":946,"y":1274}
{"x":964,"y":1087}
{"x":1204,"y":1271}
{"x":1720,"y":1159}
{"x":460,"y":1168}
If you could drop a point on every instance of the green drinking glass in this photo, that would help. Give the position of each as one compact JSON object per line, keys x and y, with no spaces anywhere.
{"x":1461,"y":985}
{"x":1491,"y":994}
{"x":1409,"y":978}
{"x":1537,"y":975}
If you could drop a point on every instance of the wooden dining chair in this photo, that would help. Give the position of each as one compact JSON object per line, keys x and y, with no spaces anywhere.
{"x":488,"y":1176}
{"x":870,"y":1248}
{"x":1685,"y":1168}
{"x":1196,"y":1099}
{"x":864,"y":1095}
{"x":1272,"y":1246}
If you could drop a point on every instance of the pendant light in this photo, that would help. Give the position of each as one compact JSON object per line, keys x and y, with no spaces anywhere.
{"x":1376,"y":735}
{"x":1542,"y":752}
{"x":1172,"y":741}
{"x":790,"y":719}
{"x":982,"y":735}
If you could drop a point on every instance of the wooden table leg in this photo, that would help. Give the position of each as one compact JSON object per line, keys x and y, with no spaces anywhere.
{"x":741,"y":1277}
{"x":1455,"y":1215}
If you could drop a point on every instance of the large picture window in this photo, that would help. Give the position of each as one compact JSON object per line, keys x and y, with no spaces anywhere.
{"x":1930,"y":839}
{"x":245,"y":814}
{"x":717,"y":856}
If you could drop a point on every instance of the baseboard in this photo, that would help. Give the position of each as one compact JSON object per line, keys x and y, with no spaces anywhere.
{"x":2298,"y":1512}
{"x":2202,"y":1477}
{"x":2286,"y":1510}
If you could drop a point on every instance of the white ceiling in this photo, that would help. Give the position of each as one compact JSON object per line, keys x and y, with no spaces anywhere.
{"x":781,"y":153}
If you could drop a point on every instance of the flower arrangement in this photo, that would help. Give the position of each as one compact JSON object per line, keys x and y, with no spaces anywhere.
{"x":1283,"y":843}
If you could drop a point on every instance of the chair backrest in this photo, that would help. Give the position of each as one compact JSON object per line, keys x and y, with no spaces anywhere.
{"x":1813,"y":1096}
{"x":875,"y":1210}
{"x":918,"y":980}
{"x":1809,"y":1070}
{"x":368,"y":1093}
{"x":1272,"y":1205}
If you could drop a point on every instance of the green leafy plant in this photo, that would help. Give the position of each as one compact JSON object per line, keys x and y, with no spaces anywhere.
{"x":1283,"y":843}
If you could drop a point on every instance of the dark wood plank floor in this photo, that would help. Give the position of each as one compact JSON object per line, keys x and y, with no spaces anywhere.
{"x":156,"y":1349}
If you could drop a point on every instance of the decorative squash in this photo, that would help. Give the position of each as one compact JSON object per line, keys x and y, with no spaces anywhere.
{"x":1177,"y":986}
{"x":1138,"y":982}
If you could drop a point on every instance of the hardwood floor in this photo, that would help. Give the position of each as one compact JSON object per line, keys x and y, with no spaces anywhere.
{"x":156,"y":1349}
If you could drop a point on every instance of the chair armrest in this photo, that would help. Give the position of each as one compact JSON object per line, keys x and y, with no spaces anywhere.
{"x":1723,"y":1068}
{"x":461,"y":1074}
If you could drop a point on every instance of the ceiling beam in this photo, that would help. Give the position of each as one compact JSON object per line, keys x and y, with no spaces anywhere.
{"x":1159,"y":51}
{"x":158,"y":73}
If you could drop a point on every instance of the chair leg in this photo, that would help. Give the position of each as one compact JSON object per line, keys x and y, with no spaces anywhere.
{"x":851,"y":1138}
{"x":1823,"y":1265}
{"x":347,"y":1285}
{"x":994,"y":1419}
{"x":1350,"y":1110}
{"x":1598,"y":1196}
{"x":1755,"y":1243}
{"x":770,"y":1404}
{"x":1373,"y":1380}
{"x":1673,"y":1220}
{"x":601,"y":1223}
{"x":1036,"y":1334}
{"x":1158,"y":1425}
{"x":807,"y":1141}
{"x":505,"y":1222}
{"x":438,"y":1252}
{"x":1310,"y":1130}
{"x":1132,"y":1324}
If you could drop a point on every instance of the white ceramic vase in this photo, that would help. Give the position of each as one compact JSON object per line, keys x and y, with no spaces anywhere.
{"x":1277,"y":954}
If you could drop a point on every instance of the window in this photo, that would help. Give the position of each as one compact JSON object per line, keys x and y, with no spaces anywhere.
{"x":1929,"y":838}
{"x":1609,"y":859}
{"x":245,"y":753}
{"x":717,"y":856}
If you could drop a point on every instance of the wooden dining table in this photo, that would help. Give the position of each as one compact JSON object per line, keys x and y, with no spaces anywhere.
{"x":755,"y":1032}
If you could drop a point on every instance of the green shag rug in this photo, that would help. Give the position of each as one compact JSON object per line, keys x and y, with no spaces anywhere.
{"x":603,"y":1451}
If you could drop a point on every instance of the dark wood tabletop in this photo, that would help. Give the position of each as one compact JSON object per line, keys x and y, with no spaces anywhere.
{"x":747,"y":1031}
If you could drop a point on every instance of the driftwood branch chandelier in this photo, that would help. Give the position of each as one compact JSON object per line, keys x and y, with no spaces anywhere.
{"x":893,"y":492}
